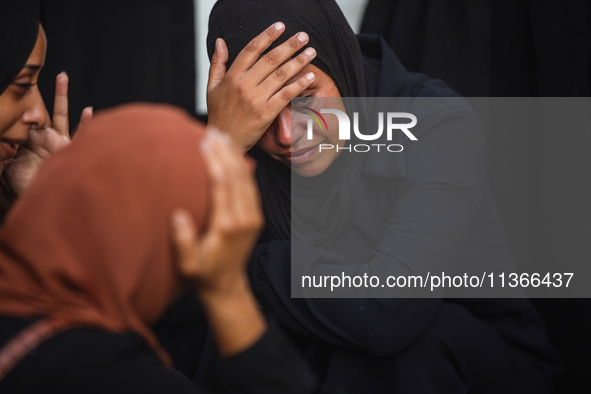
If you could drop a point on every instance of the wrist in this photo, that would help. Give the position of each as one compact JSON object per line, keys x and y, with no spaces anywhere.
{"x":235,"y":317}
{"x":230,"y":292}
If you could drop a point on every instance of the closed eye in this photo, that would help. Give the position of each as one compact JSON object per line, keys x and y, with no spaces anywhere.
{"x":299,"y":103}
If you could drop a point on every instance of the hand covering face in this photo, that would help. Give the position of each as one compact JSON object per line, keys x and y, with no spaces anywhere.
{"x":89,"y":242}
{"x":19,"y":24}
{"x":287,"y":197}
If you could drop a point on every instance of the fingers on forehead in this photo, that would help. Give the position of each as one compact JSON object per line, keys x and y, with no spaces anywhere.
{"x":260,"y":43}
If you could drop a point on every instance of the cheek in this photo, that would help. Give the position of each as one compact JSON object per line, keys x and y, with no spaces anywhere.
{"x":267,"y":142}
{"x":331,"y":136}
{"x":9,"y":113}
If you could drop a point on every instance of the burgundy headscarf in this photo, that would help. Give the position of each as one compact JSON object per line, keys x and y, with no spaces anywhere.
{"x":89,"y":241}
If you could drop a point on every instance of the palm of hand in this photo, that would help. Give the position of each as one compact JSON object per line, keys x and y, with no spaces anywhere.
{"x":43,"y":141}
{"x":41,"y":144}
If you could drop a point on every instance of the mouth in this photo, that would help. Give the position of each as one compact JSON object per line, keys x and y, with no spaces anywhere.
{"x":10,"y":148}
{"x":300,"y":156}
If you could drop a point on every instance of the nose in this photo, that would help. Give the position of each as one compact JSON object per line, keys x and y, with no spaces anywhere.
{"x":35,"y":114}
{"x":287,"y":134}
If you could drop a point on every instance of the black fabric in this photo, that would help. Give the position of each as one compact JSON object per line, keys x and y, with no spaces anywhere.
{"x":503,"y":49}
{"x":276,"y":368}
{"x":491,"y":48}
{"x":183,"y":333}
{"x":423,"y":221}
{"x":338,"y":53}
{"x":321,"y":205}
{"x":120,"y":51}
{"x":539,"y":180}
{"x":274,"y":180}
{"x":95,"y":361}
{"x":19,"y":25}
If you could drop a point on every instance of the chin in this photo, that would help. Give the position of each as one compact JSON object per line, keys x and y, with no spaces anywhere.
{"x":309,"y":170}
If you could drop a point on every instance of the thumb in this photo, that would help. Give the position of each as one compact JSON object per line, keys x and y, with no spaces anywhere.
{"x":217,"y":69}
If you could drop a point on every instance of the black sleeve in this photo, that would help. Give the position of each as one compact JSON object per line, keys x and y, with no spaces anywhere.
{"x":428,"y":227}
{"x":270,"y":366}
{"x":93,"y":361}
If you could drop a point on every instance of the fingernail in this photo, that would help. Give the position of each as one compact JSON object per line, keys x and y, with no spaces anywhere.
{"x":64,"y":73}
{"x":279,"y":26}
{"x":310,"y":52}
{"x":179,"y":218}
{"x":303,"y":37}
{"x":217,"y":44}
{"x":310,"y":76}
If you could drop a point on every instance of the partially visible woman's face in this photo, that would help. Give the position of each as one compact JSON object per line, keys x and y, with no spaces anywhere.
{"x":21,"y":104}
{"x":288,"y":143}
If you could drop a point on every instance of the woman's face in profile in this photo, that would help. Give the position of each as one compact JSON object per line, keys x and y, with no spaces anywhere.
{"x":286,"y":140}
{"x":21,"y":104}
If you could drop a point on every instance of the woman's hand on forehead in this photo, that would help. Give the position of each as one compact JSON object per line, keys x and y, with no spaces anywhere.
{"x":244,"y":100}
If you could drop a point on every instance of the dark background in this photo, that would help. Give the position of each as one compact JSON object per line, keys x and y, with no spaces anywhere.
{"x":541,"y":180}
{"x":144,"y":50}
{"x":119,"y":51}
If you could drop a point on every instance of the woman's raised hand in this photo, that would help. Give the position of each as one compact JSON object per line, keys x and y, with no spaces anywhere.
{"x":244,"y":100}
{"x":215,"y":262}
{"x":44,"y":140}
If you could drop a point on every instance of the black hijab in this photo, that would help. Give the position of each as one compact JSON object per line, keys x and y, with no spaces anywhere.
{"x":19,"y":25}
{"x":338,"y":52}
{"x":339,"y":56}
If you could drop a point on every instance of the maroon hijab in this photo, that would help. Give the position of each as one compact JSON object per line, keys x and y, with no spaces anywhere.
{"x":89,"y":242}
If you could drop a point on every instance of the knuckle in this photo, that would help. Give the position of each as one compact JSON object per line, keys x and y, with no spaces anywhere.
{"x":254,"y":107}
{"x":281,"y":74}
{"x":227,"y":226}
{"x":228,"y":82}
{"x":303,"y":59}
{"x":268,"y":34}
{"x":239,"y":227}
{"x":303,"y":83}
{"x":285,"y":95}
{"x":243,"y":223}
{"x":257,"y":110}
{"x":243,"y":90}
{"x":271,"y":58}
{"x":188,"y":270}
{"x":252,"y":46}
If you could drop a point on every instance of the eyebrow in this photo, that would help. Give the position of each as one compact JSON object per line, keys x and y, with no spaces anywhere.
{"x":33,"y":66}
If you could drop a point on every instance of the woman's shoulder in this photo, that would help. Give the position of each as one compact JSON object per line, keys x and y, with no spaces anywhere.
{"x":440,"y":112}
{"x":386,"y":76}
{"x":443,"y":127}
{"x":90,"y":360}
